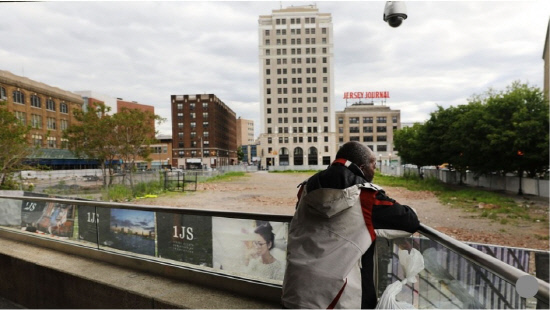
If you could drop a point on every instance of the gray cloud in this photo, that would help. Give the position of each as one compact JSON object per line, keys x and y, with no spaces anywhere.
{"x":146,"y":51}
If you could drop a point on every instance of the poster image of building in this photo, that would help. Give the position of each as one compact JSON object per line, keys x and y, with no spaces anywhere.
{"x":253,"y":248}
{"x":185,"y":238}
{"x":129,"y":230}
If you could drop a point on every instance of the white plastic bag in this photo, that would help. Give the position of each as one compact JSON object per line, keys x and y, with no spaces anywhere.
{"x":412,"y":263}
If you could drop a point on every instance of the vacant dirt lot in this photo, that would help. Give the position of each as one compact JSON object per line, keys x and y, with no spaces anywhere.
{"x":275,"y":193}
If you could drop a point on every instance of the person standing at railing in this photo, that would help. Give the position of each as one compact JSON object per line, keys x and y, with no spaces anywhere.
{"x":331,"y":237}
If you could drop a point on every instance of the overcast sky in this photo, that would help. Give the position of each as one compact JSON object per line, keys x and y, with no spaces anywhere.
{"x":146,"y":51}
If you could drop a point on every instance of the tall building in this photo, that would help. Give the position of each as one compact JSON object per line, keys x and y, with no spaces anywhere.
{"x":48,"y":109}
{"x":297,"y":87}
{"x":203,"y":132}
{"x":372,"y":125}
{"x":245,"y":131}
{"x":90,"y":97}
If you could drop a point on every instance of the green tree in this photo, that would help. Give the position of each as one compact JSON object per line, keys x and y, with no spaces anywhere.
{"x":133,"y":135}
{"x":14,"y":147}
{"x":92,"y":137}
{"x":409,"y":142}
{"x":240,"y":153}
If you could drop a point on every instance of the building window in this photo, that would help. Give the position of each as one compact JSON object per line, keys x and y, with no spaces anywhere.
{"x":51,"y":123}
{"x":51,"y":142}
{"x":367,"y":129}
{"x":180,"y":106}
{"x":63,"y":124}
{"x":381,"y":148}
{"x":3,"y":94}
{"x":18,"y":97}
{"x":35,"y":101}
{"x":204,"y":124}
{"x":381,"y":138}
{"x":37,"y":140}
{"x":367,"y":120}
{"x":21,"y":116}
{"x":381,"y":129}
{"x":354,"y":120}
{"x":394,"y":119}
{"x":381,"y":119}
{"x":36,"y":121}
{"x":193,"y":124}
{"x":354,"y":129}
{"x":367,"y":139}
{"x":180,"y":125}
{"x":205,"y":105}
{"x":50,"y":105}
{"x":63,"y":108}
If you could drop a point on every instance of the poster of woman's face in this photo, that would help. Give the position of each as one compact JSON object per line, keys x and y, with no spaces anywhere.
{"x":253,"y":248}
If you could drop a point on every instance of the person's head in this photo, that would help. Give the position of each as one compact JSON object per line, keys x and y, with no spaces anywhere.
{"x":264,"y":238}
{"x":360,"y":155}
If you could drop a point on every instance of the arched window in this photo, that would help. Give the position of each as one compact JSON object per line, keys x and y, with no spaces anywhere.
{"x":63,"y":108}
{"x":35,"y":101}
{"x":18,"y":97}
{"x":283,"y":157}
{"x":50,"y":105}
{"x":298,"y":156}
{"x":312,"y":156}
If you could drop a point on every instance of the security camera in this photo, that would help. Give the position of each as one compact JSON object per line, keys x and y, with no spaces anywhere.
{"x":394,"y":13}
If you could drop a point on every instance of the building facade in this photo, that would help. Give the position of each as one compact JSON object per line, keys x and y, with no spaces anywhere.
{"x":372,"y":125}
{"x":296,"y":87}
{"x":245,"y":131}
{"x":203,"y":132}
{"x":48,"y":109}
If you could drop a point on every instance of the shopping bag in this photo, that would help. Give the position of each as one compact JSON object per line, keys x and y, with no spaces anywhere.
{"x":412,"y":263}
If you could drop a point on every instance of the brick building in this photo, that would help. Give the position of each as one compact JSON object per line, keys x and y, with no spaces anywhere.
{"x":203,"y":132}
{"x":48,"y":109}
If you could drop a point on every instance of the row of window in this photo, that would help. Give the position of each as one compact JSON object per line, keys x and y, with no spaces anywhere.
{"x":284,"y":71}
{"x":299,"y":100}
{"x":297,"y":110}
{"x":368,"y":119}
{"x":193,"y":135}
{"x":298,"y":120}
{"x":193,"y":125}
{"x":295,"y":31}
{"x":193,"y":115}
{"x":51,"y":142}
{"x":294,"y":80}
{"x":296,"y":90}
{"x":35,"y":101}
{"x":312,"y":129}
{"x":36,"y":121}
{"x":285,"y":140}
{"x":296,"y":61}
{"x":192,"y":106}
{"x":366,"y":129}
{"x":296,"y":51}
{"x":205,"y":153}
{"x":193,"y":144}
{"x":296,"y":41}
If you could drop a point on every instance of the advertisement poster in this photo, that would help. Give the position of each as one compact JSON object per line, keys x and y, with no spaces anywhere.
{"x":129,"y":230}
{"x":31,"y":212}
{"x":185,"y":238}
{"x":256,"y":249}
{"x":89,"y":221}
{"x":51,"y":218}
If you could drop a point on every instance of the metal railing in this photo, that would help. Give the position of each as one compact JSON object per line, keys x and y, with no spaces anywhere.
{"x":206,"y":247}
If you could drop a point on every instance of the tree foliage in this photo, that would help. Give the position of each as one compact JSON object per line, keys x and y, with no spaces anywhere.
{"x":14,"y":147}
{"x":496,"y":132}
{"x":124,"y":136}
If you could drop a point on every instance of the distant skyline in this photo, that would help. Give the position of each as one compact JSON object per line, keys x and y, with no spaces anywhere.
{"x":444,"y":53}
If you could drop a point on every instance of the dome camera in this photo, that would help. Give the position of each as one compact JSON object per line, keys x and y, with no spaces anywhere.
{"x":394,"y":13}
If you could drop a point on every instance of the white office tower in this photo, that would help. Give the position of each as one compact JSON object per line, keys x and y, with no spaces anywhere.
{"x":296,"y":88}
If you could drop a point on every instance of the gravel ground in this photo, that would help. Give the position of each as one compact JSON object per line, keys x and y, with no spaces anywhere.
{"x":275,"y":193}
